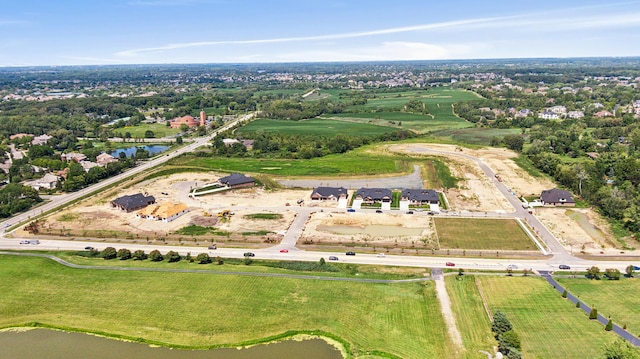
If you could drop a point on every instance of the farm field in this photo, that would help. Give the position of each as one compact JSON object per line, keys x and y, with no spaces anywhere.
{"x":612,"y":298}
{"x":193,"y":309}
{"x":473,"y":233}
{"x":475,"y":136}
{"x":314,"y":127}
{"x":548,"y":325}
{"x":160,"y":130}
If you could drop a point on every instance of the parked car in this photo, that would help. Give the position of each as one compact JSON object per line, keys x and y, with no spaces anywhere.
{"x":333,"y":258}
{"x":564,"y":266}
{"x":284,"y":251}
{"x":409,"y":212}
{"x":89,"y":248}
{"x":249,"y":254}
{"x":351,"y":210}
{"x":450,"y":264}
{"x":378,"y":211}
{"x":351,"y":253}
{"x":213,"y":246}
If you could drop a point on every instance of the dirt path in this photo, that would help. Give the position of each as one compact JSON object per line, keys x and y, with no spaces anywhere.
{"x":413,"y":180}
{"x":445,"y":306}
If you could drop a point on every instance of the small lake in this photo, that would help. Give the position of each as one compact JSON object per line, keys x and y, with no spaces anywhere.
{"x":130,"y":151}
{"x":372,"y":230}
{"x":53,"y":344}
{"x":584,"y":223}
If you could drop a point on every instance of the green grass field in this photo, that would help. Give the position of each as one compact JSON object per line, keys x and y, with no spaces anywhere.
{"x":160,"y":130}
{"x":356,"y":162}
{"x":471,"y":233}
{"x":475,"y":136}
{"x":314,"y":127}
{"x":471,"y":318}
{"x":548,"y":325}
{"x":204,"y":310}
{"x":612,"y":298}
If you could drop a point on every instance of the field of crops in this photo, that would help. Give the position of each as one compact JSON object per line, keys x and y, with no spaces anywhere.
{"x":612,"y":298}
{"x":491,"y":234}
{"x":475,"y":136}
{"x":159,"y":130}
{"x":204,"y":310}
{"x":548,"y":325}
{"x":315,"y":127}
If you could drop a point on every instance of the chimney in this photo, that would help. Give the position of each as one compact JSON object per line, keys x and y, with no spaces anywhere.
{"x":203,"y":118}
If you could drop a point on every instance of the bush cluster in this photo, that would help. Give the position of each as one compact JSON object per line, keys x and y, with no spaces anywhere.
{"x":508,"y":340}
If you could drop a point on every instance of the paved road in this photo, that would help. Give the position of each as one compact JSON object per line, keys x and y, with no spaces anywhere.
{"x":413,"y":180}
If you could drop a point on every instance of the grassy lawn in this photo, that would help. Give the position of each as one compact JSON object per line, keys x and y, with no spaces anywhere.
{"x":548,"y":325}
{"x":471,"y":318}
{"x":315,"y":127}
{"x":475,"y":136}
{"x":471,"y":233}
{"x":617,"y":299}
{"x":357,"y":162}
{"x":160,"y":130}
{"x":203,"y":310}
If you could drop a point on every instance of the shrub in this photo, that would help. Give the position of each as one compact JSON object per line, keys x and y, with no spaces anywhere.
{"x":156,"y":256}
{"x":500,"y":324}
{"x":139,"y":255}
{"x":593,"y":314}
{"x":124,"y":254}
{"x":203,"y":258}
{"x":564,"y":294}
{"x":609,"y":326}
{"x":109,"y":253}
{"x":173,"y":256}
{"x":578,"y":304}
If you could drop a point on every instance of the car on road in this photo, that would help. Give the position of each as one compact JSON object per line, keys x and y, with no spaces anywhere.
{"x":249,"y":254}
{"x":24,"y":242}
{"x":89,"y":248}
{"x":351,"y":253}
{"x":381,"y":255}
{"x":450,"y":264}
{"x":284,"y":251}
{"x":333,"y":258}
{"x":512,"y":266}
{"x":431,"y":213}
{"x":378,"y":211}
{"x":213,"y":246}
{"x":564,"y":266}
{"x":409,"y":212}
{"x":636,"y":268}
{"x":351,"y":210}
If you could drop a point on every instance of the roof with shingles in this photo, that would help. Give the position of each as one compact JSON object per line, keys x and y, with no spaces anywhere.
{"x":374,"y":194}
{"x":556,"y":196}
{"x":235,"y":179}
{"x":421,"y":195}
{"x":327,"y":192}
{"x":133,"y":201}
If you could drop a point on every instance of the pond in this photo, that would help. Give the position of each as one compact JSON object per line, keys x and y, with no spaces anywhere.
{"x":372,"y":230}
{"x":45,"y":343}
{"x":130,"y":151}
{"x":593,"y":231}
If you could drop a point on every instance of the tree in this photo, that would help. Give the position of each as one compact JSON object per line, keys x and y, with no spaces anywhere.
{"x":609,"y":326}
{"x":620,"y":349}
{"x":149,"y":134}
{"x":593,"y":273}
{"x":179,"y":140}
{"x":173,"y":256}
{"x":508,"y":341}
{"x":203,"y":258}
{"x":564,"y":294}
{"x":109,"y":253}
{"x":322,"y":262}
{"x":124,"y":254}
{"x":593,"y":314}
{"x":156,"y":256}
{"x":184,"y":128}
{"x":139,"y":255}
{"x":629,"y":271}
{"x":514,"y":142}
{"x":612,"y":274}
{"x":500,"y":324}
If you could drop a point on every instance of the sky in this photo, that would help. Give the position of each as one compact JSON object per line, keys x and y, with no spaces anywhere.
{"x":104,"y":32}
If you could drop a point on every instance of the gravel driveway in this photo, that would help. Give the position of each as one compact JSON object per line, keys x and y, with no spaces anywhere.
{"x":413,"y":180}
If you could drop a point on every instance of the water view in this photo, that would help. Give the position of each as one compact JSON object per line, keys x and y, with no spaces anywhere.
{"x":52,"y":344}
{"x":130,"y":151}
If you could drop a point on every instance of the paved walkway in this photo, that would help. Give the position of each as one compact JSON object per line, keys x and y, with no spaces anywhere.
{"x":413,"y":180}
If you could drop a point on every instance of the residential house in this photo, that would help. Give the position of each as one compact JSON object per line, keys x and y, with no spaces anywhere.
{"x":575,"y":114}
{"x":133,"y":202}
{"x":49,"y":181}
{"x":548,"y":115}
{"x":374,"y":195}
{"x":328,"y":193}
{"x":41,"y":140}
{"x":557,"y":197}
{"x":560,"y":110}
{"x":165,"y":212}
{"x":419,"y":197}
{"x":185,"y":120}
{"x":72,"y":156}
{"x":87,"y":165}
{"x":237,"y":180}
{"x":603,"y":113}
{"x":104,"y":159}
{"x":523,"y":113}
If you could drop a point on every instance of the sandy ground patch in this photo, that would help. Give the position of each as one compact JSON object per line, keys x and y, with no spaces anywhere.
{"x":392,"y":236}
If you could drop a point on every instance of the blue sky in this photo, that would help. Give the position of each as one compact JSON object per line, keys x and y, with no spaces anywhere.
{"x":87,"y":32}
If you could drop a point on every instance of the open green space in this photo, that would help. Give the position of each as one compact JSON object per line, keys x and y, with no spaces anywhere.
{"x":357,"y":162}
{"x":314,"y":127}
{"x":473,"y":233}
{"x":549,"y":326}
{"x":471,"y":318}
{"x":159,"y":130}
{"x":205,"y":310}
{"x":617,"y":299}
{"x":475,"y":136}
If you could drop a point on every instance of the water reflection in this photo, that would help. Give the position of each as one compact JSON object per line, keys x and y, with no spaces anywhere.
{"x":52,"y":344}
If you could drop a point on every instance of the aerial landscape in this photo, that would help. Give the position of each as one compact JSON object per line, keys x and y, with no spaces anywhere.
{"x":210,"y":179}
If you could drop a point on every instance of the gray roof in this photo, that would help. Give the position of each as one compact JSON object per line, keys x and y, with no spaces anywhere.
{"x":374,"y":194}
{"x":421,"y":195}
{"x":326,"y":192}
{"x":133,"y":201}
{"x":556,"y":196}
{"x":235,"y":179}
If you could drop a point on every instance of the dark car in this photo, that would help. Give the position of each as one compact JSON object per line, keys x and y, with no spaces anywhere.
{"x":333,"y":258}
{"x":450,"y":264}
{"x":249,"y":254}
{"x":213,"y":246}
{"x":378,"y":211}
{"x":351,"y":210}
{"x":564,"y":266}
{"x":409,"y":212}
{"x":636,"y":268}
{"x":351,"y":253}
{"x":89,"y":248}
